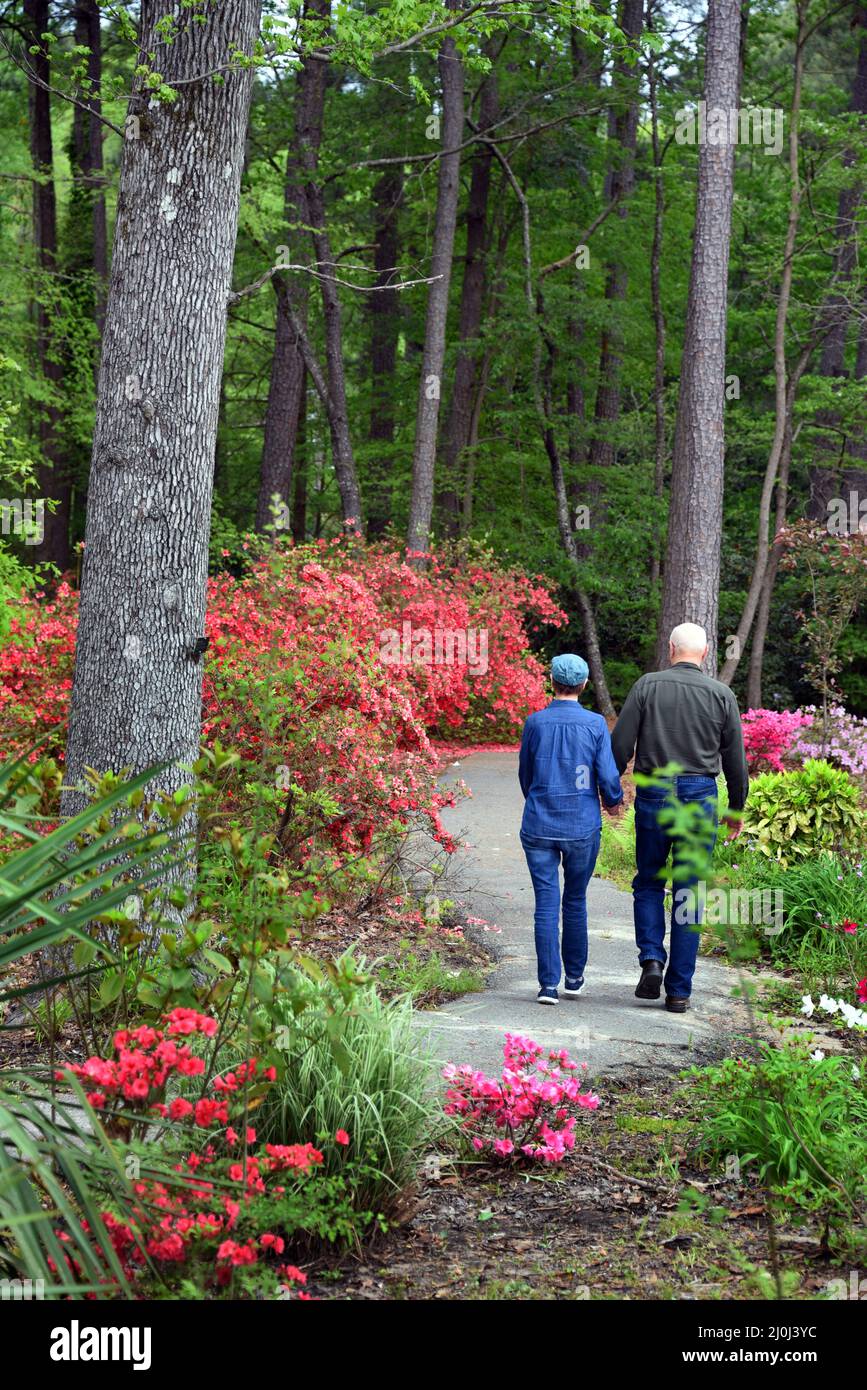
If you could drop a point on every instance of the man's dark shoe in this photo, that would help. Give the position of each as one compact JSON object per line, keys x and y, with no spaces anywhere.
{"x":650,"y":984}
{"x":676,"y":1006}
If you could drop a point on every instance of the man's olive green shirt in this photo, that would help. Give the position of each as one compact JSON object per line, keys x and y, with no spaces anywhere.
{"x":683,"y":716}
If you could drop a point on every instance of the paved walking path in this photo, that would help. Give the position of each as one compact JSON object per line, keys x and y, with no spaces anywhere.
{"x":606,"y":1026}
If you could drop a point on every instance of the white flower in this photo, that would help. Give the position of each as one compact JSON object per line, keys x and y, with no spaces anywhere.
{"x":817,"y":1056}
{"x":856,"y":1073}
{"x":854,"y":1017}
{"x":807,"y":1005}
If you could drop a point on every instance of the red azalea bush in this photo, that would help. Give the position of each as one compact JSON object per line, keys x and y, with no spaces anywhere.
{"x":531,"y":1110}
{"x":769,"y":735}
{"x":329,"y":666}
{"x":226,"y":1209}
{"x":36,"y":659}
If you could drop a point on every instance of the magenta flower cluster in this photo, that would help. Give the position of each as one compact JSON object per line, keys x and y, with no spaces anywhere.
{"x":530,"y":1110}
{"x":769,"y":736}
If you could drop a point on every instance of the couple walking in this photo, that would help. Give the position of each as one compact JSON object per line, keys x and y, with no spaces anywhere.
{"x":568,"y":761}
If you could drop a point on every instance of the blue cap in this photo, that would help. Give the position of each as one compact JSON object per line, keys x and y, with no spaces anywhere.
{"x":569,"y":669}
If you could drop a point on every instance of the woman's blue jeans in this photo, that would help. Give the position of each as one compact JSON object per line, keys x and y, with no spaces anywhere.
{"x":653,"y":845}
{"x":544,"y":858}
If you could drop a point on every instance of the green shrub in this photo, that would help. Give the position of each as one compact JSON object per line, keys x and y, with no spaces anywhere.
{"x":791,"y":815}
{"x":355,"y":1067}
{"x":800,"y":1123}
{"x":818,"y":895}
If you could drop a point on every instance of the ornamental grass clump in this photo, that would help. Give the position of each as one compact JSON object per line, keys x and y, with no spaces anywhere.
{"x":358,"y":1066}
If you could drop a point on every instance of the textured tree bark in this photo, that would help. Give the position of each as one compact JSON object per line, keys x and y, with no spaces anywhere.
{"x":858,"y":445}
{"x":861,"y":350}
{"x":459,"y":417}
{"x":299,"y":478}
{"x":285,"y":393}
{"x":54,"y":471}
{"x":309,"y":138}
{"x":136,"y":696}
{"x":659,"y":453}
{"x":482,"y":375}
{"x":288,"y":374}
{"x":469,"y":479}
{"x":384,"y":326}
{"x":433,"y":355}
{"x":619,"y":183}
{"x":691,"y":582}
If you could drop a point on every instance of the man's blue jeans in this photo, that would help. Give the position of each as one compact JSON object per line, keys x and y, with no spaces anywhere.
{"x":543,"y":860}
{"x":653,"y":845}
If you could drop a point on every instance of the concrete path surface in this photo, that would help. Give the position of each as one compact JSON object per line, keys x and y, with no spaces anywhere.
{"x":606,"y":1026}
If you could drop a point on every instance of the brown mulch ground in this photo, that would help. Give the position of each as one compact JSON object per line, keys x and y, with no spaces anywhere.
{"x":628,"y":1216}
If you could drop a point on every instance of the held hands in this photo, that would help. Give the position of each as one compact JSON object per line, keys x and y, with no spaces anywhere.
{"x":735,"y":822}
{"x":614,"y":812}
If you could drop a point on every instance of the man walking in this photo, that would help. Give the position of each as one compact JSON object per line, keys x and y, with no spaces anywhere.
{"x":677,"y":716}
{"x":565,"y":764}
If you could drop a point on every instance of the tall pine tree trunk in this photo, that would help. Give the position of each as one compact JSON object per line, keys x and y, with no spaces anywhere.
{"x":692,"y":565}
{"x":309,"y":137}
{"x":619,"y":183}
{"x":659,"y":452}
{"x":54,"y":471}
{"x":285,"y":394}
{"x":384,"y":317}
{"x":433,"y":355}
{"x":299,"y":478}
{"x":87,"y":153}
{"x":137,"y":693}
{"x":288,"y":379}
{"x":464,"y":384}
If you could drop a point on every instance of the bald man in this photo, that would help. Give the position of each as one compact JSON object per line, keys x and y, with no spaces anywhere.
{"x":677,"y":716}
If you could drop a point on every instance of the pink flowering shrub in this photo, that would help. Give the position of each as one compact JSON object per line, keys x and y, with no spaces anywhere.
{"x":769,"y":735}
{"x":531,"y":1109}
{"x":846,"y":739}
